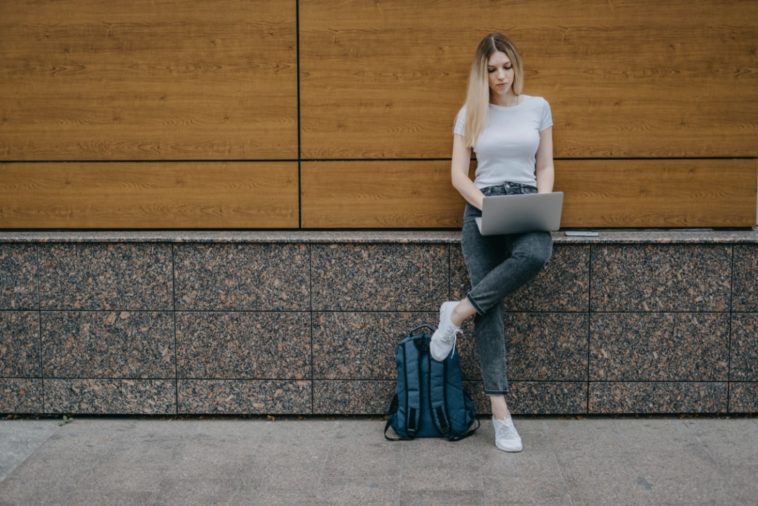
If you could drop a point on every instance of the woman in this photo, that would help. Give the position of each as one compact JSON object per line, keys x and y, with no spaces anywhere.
{"x":512,"y":136}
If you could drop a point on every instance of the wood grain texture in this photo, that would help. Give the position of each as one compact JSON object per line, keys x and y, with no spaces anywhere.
{"x":381,"y":194}
{"x":149,"y":195}
{"x":92,"y":81}
{"x":627,"y":78}
{"x":658,"y":193}
{"x":597,"y":193}
{"x":148,"y":80}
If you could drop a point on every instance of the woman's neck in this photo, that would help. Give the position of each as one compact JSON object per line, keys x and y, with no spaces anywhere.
{"x":506,"y":101}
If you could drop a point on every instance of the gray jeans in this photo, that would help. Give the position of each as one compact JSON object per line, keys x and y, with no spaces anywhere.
{"x":498,"y":265}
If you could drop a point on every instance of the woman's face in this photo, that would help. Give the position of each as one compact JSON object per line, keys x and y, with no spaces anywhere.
{"x":501,"y":74}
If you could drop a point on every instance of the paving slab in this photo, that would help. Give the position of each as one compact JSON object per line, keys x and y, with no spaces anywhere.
{"x":19,"y":440}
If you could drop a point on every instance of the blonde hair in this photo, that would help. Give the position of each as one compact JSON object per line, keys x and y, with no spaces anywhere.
{"x":478,"y":93}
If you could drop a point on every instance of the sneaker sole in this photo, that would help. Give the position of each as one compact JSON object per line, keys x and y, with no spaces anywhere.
{"x":509,"y":450}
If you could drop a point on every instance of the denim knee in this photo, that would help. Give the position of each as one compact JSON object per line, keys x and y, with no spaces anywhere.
{"x":535,"y":259}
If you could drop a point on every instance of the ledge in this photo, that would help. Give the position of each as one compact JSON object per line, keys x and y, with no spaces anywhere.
{"x":630,"y":236}
{"x":266,"y":322}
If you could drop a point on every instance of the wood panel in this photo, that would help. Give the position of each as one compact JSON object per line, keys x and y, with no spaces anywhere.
{"x":149,"y":195}
{"x":658,"y":193}
{"x":381,"y":194}
{"x":639,"y":78}
{"x":148,"y":80}
{"x":598,"y":193}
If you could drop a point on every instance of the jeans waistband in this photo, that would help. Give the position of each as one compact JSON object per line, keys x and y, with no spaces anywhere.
{"x":507,"y":187}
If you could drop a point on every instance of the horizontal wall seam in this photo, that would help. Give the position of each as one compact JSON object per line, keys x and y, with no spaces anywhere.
{"x":389,"y":380}
{"x":370,"y":311}
{"x":398,"y":159}
{"x":295,"y":311}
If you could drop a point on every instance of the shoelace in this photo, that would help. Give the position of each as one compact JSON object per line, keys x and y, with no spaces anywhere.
{"x":447,"y":339}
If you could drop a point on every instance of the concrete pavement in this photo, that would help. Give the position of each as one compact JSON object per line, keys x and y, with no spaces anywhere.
{"x":566,"y":461}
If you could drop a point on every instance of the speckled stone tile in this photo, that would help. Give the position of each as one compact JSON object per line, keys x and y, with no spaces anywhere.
{"x":105,"y":276}
{"x":379,"y":277}
{"x":348,"y":345}
{"x":657,"y":397}
{"x":743,"y":397}
{"x":19,"y":344}
{"x":353,"y":345}
{"x":262,"y":277}
{"x":662,"y":277}
{"x":745,"y":295}
{"x":245,"y":396}
{"x":110,"y":396}
{"x":243,"y":345}
{"x":20,"y":395}
{"x":659,"y":346}
{"x":108,"y":344}
{"x":18,"y":272}
{"x":744,"y":347}
{"x":546,"y":346}
{"x":563,"y":285}
{"x":538,"y":346}
{"x":352,"y":397}
{"x":465,"y":348}
{"x":535,"y":397}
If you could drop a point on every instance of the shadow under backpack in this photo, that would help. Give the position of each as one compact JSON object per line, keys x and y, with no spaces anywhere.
{"x":429,"y":398}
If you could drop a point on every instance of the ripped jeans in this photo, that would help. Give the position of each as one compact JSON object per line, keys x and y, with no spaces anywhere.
{"x":498,"y":265}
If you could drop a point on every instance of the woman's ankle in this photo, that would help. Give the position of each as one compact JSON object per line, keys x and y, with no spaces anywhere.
{"x":463,"y":310}
{"x":505,"y":417}
{"x":499,"y":407}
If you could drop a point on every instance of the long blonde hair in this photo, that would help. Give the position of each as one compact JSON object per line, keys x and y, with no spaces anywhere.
{"x":478,"y":93}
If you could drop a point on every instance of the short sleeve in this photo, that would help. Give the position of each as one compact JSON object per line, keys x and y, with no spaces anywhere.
{"x":460,"y":122}
{"x":547,"y":116}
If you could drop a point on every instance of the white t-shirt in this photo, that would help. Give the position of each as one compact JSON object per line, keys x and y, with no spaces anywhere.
{"x":507,"y":147}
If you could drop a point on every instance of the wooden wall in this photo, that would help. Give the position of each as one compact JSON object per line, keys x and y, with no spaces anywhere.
{"x":338,"y":113}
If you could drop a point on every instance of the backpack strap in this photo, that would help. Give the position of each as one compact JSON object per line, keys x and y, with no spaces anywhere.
{"x":412,"y":387}
{"x":437,"y":387}
{"x":429,"y":326}
{"x":458,"y":438}
{"x":390,"y":412}
{"x":437,"y":383}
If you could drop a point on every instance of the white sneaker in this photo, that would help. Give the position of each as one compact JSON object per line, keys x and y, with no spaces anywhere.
{"x":506,"y":435}
{"x":443,"y":339}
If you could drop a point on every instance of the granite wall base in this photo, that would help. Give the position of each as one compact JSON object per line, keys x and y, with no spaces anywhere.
{"x":309,"y":327}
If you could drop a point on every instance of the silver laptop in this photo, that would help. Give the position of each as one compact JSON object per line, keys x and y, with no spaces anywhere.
{"x":512,"y":214}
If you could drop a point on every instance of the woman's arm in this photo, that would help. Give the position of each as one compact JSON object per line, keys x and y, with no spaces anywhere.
{"x":545,"y":171}
{"x":459,"y":173}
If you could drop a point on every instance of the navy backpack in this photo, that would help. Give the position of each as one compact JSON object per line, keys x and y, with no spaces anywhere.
{"x":429,"y":399}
